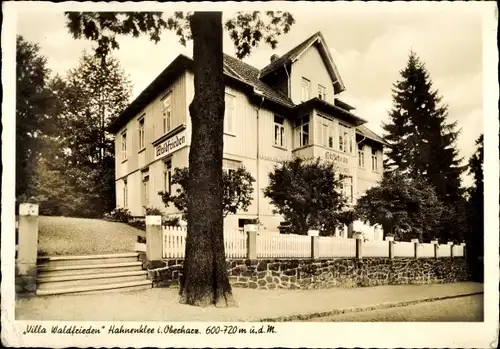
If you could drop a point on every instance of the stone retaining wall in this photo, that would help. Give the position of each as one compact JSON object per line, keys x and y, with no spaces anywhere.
{"x":324,"y":273}
{"x":25,"y":282}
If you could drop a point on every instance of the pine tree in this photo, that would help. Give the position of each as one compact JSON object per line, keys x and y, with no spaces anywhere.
{"x":475,"y":236}
{"x":422,"y":143}
{"x":33,"y":101}
{"x":94,"y":93}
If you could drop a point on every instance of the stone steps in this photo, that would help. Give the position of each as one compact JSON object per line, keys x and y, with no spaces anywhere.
{"x":90,"y":273}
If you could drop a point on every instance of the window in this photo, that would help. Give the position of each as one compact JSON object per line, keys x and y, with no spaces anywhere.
{"x":167,"y":176}
{"x":345,"y":139}
{"x":306,"y":88}
{"x":142,"y":140}
{"x":145,"y":188}
{"x":346,"y":187}
{"x":374,"y":161}
{"x":229,"y":114}
{"x":361,"y":156}
{"x":125,"y":193}
{"x":230,"y":165}
{"x":167,"y":113}
{"x":279,"y":131}
{"x":321,"y":92}
{"x":124,"y":146}
{"x":302,"y":131}
{"x":324,"y":132}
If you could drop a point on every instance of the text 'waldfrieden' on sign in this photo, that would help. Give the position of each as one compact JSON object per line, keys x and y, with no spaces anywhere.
{"x":170,"y":145}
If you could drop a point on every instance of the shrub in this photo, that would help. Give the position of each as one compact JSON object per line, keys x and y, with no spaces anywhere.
{"x":306,"y":193}
{"x":141,"y":239}
{"x":153,"y":211}
{"x":171,"y":222}
{"x":138,"y":224}
{"x":119,"y":214}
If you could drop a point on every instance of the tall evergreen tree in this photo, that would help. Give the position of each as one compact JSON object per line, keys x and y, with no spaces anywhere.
{"x":95,"y":92}
{"x":475,"y":236}
{"x":422,"y":143}
{"x":33,"y":99}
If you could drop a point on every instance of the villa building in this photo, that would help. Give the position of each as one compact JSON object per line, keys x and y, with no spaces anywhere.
{"x":289,"y":108}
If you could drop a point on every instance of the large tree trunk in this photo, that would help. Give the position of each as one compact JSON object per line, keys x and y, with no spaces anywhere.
{"x":205,"y":280}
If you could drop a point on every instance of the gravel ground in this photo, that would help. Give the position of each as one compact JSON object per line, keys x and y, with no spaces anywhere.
{"x":72,"y":236}
{"x":162,"y":304}
{"x":456,"y":309}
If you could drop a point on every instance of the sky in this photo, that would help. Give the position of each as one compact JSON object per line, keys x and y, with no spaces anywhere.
{"x":369,"y":43}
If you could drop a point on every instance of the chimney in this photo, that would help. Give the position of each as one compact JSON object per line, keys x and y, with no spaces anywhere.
{"x":274,"y":57}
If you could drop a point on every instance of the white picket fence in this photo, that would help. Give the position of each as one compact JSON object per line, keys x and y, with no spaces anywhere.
{"x":174,"y":242}
{"x":404,"y":249}
{"x":235,"y":243}
{"x":444,"y":250}
{"x":336,"y":247}
{"x":458,"y":251}
{"x":276,"y":245}
{"x":426,"y":251}
{"x":273,"y":245}
{"x":375,"y":248}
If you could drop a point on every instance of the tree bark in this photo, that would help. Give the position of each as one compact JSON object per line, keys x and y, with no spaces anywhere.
{"x":205,"y":280}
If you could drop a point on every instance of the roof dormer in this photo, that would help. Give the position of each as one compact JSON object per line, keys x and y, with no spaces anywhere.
{"x":311,"y":60}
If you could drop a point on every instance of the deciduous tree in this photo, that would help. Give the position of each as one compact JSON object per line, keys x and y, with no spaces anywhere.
{"x":237,"y":187}
{"x":307,"y":194}
{"x":206,"y":281}
{"x":405,"y":207}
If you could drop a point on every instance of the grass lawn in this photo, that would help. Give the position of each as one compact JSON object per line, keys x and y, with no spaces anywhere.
{"x":71,"y":236}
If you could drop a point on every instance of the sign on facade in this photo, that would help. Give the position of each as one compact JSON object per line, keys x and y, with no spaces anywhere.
{"x":170,"y":145}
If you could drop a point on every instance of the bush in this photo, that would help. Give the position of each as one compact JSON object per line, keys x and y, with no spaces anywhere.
{"x":138,"y":224}
{"x":171,"y":222}
{"x":153,"y":211}
{"x":119,"y":215}
{"x":141,"y":240}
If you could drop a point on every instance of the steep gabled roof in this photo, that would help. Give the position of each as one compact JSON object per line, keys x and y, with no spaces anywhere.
{"x":250,"y":75}
{"x":344,"y":105}
{"x":298,"y":50}
{"x":288,"y":57}
{"x":366,"y":132}
{"x":233,"y":68}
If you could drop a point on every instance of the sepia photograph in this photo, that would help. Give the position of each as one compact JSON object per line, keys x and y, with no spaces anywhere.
{"x":250,"y":175}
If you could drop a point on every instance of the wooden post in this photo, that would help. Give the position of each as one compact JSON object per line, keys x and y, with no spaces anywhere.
{"x":415,"y":246}
{"x":450,"y":243}
{"x":251,"y":231}
{"x":359,"y":248}
{"x":350,"y":230}
{"x":26,"y":264}
{"x":314,"y":247}
{"x":390,"y":241}
{"x":154,"y":238}
{"x":314,"y":234}
{"x":436,"y":244}
{"x":464,"y":246}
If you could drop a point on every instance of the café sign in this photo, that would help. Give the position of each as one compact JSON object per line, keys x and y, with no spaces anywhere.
{"x":170,"y":145}
{"x":336,"y":158}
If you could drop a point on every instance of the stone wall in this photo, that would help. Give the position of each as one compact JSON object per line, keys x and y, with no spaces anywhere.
{"x":324,"y":273}
{"x":25,"y":281}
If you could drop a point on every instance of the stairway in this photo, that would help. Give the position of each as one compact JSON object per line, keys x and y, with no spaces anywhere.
{"x":90,"y":274}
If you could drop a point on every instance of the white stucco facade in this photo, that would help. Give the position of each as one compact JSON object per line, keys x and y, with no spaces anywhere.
{"x":149,"y":147}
